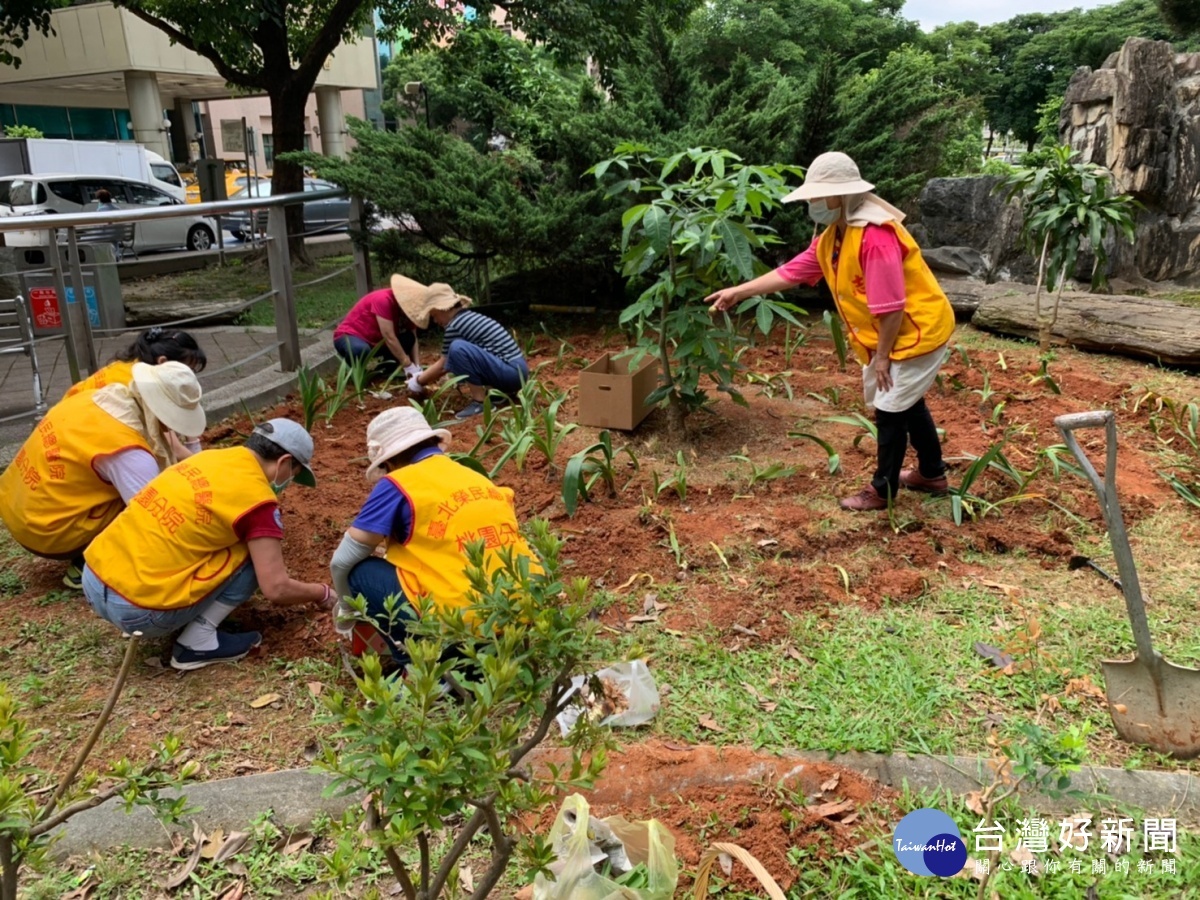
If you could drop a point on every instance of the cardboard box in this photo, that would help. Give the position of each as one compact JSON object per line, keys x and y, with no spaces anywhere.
{"x":613,"y":396}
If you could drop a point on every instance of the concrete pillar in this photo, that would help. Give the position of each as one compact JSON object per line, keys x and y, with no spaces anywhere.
{"x":332,"y":121}
{"x":146,"y":110}
{"x":185,"y":109}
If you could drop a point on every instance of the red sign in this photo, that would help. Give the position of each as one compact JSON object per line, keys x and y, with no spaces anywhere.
{"x":44,"y":304}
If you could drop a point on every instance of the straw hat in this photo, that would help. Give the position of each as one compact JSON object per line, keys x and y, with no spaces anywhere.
{"x":172,"y":393}
{"x":418,"y":300}
{"x":395,"y":430}
{"x":830,"y":175}
{"x":291,"y":436}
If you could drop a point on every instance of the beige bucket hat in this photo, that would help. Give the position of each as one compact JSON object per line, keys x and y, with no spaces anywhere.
{"x":830,"y":175}
{"x":395,"y":430}
{"x":172,"y":393}
{"x":418,"y":300}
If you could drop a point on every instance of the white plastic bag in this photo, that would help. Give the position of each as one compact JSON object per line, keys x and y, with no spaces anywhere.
{"x":581,"y":842}
{"x":634,"y":683}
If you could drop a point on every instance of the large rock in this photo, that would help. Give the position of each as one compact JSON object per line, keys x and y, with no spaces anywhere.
{"x":969,"y":212}
{"x":1140,"y":327}
{"x":956,"y":261}
{"x":1139,"y":116}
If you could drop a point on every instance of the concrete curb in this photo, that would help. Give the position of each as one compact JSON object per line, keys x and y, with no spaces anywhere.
{"x":268,"y":386}
{"x":296,"y":797}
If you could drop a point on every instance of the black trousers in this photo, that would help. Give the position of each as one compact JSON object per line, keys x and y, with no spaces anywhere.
{"x":895,"y":431}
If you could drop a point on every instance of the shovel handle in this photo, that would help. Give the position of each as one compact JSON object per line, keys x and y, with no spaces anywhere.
{"x":1106,"y":490}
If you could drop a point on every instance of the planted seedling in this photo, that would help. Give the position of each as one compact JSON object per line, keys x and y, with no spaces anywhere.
{"x":860,"y":421}
{"x":338,"y":396}
{"x":835,"y":461}
{"x":834,"y":323}
{"x":312,"y":395}
{"x":677,"y":481}
{"x":760,"y":474}
{"x":590,"y":465}
{"x":547,"y":434}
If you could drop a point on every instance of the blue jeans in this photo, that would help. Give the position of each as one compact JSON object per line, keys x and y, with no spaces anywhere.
{"x":111,"y":606}
{"x":351,"y":347}
{"x":483,"y":368}
{"x":376,"y":580}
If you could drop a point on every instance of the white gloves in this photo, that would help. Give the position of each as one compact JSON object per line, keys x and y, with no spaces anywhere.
{"x":413,"y":369}
{"x":414,"y":386}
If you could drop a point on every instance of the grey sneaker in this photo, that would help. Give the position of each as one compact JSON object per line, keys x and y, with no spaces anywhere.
{"x":473,"y":408}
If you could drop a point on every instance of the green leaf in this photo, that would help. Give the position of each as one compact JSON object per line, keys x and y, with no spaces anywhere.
{"x":657,"y":226}
{"x":737,"y":249}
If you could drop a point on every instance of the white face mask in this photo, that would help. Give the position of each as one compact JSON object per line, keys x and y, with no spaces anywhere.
{"x":819,"y":212}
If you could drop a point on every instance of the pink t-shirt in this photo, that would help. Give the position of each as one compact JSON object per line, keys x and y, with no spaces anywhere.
{"x":362,"y":320}
{"x":882,"y":260}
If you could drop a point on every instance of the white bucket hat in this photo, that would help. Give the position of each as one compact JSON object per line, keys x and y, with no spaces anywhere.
{"x":395,"y":430}
{"x":418,"y":300}
{"x":172,"y":393}
{"x":830,"y":175}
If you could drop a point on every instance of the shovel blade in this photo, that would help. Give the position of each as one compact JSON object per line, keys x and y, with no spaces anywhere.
{"x":1133,"y":701}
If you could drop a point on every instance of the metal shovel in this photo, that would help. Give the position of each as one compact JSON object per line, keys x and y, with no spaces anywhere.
{"x":1152,"y":701}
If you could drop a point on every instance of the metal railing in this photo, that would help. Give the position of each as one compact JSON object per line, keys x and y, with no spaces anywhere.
{"x":62,"y":253}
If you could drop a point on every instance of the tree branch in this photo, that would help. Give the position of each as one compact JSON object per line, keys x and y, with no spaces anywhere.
{"x":67,"y":812}
{"x":401,"y":872}
{"x":105,"y":714}
{"x":327,"y":39}
{"x":208,"y":51}
{"x":456,"y":850}
{"x":8,"y":869}
{"x":423,"y":845}
{"x":502,"y":848}
{"x":561,"y":682}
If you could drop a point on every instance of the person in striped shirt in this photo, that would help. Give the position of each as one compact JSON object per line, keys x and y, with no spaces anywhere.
{"x":473,"y":345}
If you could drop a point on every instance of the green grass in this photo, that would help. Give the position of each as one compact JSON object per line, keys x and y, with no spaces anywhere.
{"x":316,"y":306}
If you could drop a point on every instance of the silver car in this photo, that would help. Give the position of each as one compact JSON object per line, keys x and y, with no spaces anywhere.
{"x":31,"y":195}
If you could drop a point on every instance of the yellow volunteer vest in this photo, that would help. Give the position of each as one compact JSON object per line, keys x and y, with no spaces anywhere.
{"x":928,"y":317}
{"x":452,"y":506}
{"x":175,"y":542}
{"x":51,"y":498}
{"x":120,"y":372}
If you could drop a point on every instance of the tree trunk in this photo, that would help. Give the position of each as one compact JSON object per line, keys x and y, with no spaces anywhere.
{"x":288,"y":102}
{"x":8,"y":863}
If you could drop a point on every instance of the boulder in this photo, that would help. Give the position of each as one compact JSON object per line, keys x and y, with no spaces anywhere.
{"x":1139,"y":116}
{"x":1140,"y":327}
{"x":957,"y":261}
{"x":968,"y":212}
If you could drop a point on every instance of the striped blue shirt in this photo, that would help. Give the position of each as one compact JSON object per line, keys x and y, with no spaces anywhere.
{"x":476,"y":328}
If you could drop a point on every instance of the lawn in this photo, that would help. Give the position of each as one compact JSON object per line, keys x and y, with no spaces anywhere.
{"x":772,"y":620}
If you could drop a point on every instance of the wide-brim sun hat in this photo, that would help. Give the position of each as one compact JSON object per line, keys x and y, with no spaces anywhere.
{"x":171,"y":392}
{"x":418,"y":300}
{"x":292,"y":438}
{"x":395,"y":430}
{"x":831,"y":174}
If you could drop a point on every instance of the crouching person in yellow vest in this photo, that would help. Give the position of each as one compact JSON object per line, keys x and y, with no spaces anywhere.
{"x":198,"y":540}
{"x":424,"y":509}
{"x":91,"y":454}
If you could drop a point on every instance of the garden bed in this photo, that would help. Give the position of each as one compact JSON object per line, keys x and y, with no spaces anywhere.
{"x":768,"y":615}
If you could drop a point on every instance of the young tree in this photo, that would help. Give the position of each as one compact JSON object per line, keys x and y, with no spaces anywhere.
{"x":278,"y":47}
{"x":692,"y":230}
{"x":1066,"y":204}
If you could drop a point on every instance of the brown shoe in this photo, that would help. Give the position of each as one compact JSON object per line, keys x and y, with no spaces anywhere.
{"x":915,"y":481}
{"x":864,"y":501}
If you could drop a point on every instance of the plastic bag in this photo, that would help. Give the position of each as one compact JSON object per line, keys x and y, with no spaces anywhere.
{"x":637,"y":690}
{"x":581,"y":842}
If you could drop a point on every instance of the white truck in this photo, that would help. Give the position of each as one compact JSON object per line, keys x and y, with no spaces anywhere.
{"x":43,"y":156}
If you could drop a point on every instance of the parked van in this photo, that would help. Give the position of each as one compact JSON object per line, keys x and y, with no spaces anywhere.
{"x":43,"y":156}
{"x":33,"y":195}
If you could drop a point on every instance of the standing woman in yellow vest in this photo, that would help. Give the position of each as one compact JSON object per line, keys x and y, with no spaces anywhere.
{"x":196,"y":543}
{"x":157,"y":345}
{"x":91,"y":454}
{"x":424,"y":509}
{"x":896,"y":316}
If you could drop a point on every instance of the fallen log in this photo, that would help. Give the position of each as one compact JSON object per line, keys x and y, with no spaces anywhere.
{"x":1141,"y":327}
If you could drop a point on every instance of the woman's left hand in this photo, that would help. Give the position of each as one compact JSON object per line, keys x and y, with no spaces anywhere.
{"x":882,"y":367}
